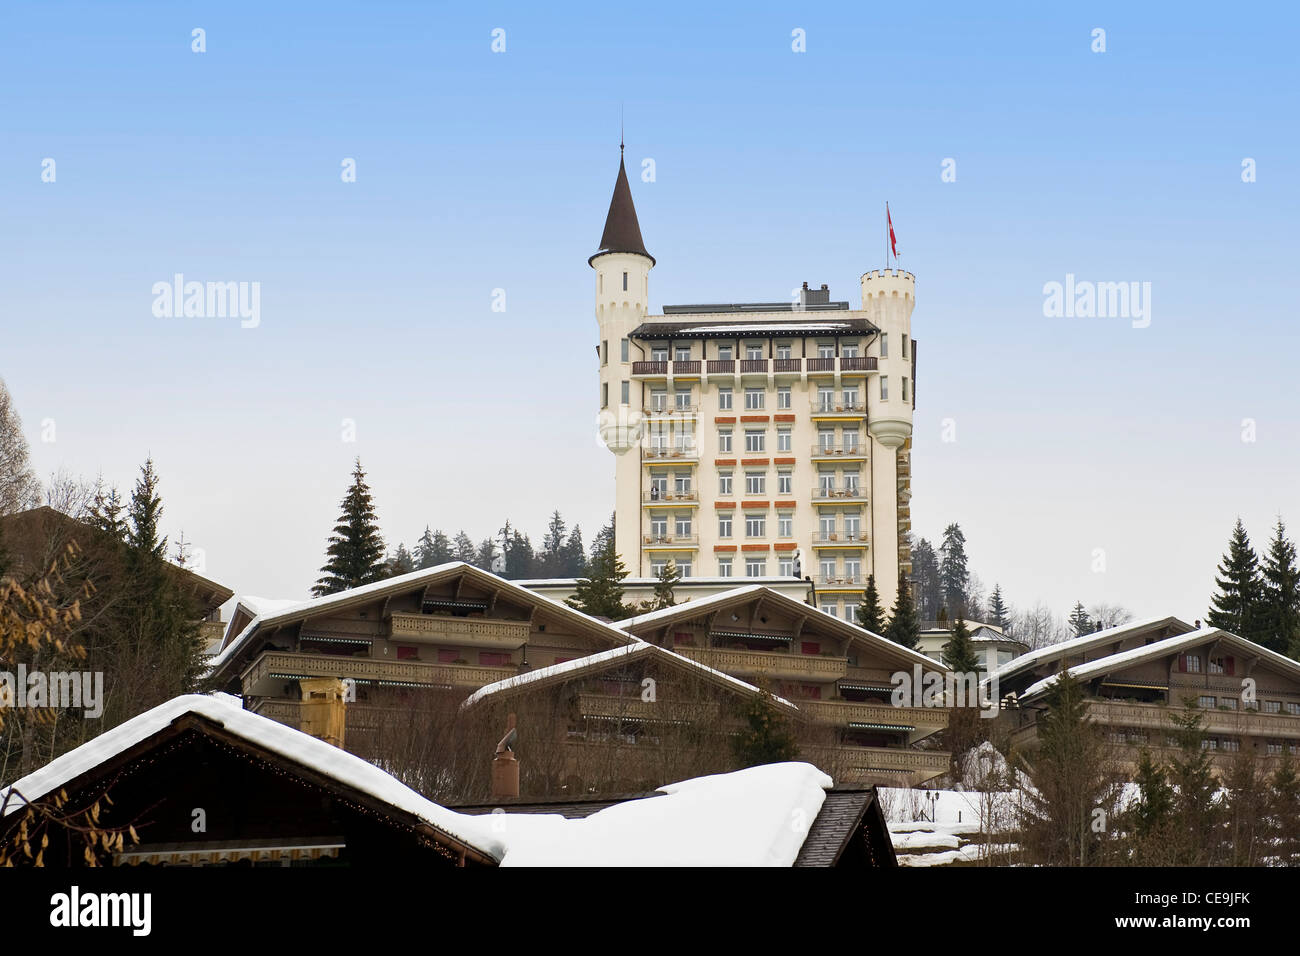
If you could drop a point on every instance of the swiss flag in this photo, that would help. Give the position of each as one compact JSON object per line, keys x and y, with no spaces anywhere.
{"x":893,"y":242}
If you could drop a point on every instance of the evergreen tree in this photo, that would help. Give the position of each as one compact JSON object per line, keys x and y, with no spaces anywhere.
{"x":19,"y":488}
{"x":1155,"y":805}
{"x":925,"y":574}
{"x":870,"y":614}
{"x":144,"y":514}
{"x":433,"y":549}
{"x":600,"y":593}
{"x":105,"y":512}
{"x":575,"y":555}
{"x":667,"y":579}
{"x":465,"y":550}
{"x":1197,"y":812}
{"x":355,"y":555}
{"x":553,"y":544}
{"x":959,"y":652}
{"x":1284,"y":811}
{"x":402,"y":562}
{"x":521,"y":562}
{"x":486,"y":556}
{"x":1079,"y":620}
{"x":999,"y":612}
{"x":1279,"y":615}
{"x":903,"y":626}
{"x":954,"y":576}
{"x":1235,"y":607}
{"x":604,"y":539}
{"x":766,"y":736}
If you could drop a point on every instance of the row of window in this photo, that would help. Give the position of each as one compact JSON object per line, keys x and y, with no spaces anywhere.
{"x":756,"y":525}
{"x":756,"y":351}
{"x":754,"y":567}
{"x":755,"y":399}
{"x":1210,"y":702}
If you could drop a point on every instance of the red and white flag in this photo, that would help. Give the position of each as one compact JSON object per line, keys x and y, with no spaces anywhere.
{"x":893,"y":242}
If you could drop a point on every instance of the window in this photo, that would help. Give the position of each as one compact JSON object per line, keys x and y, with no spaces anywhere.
{"x":1192,"y":664}
{"x":1272,"y":707}
{"x":1206,"y":701}
{"x":682,"y":353}
{"x":1230,"y":744}
{"x":850,"y":438}
{"x":884,"y":345}
{"x":753,"y":352}
{"x":659,"y":353}
{"x":604,"y":351}
{"x":683,"y":525}
{"x":685,"y":438}
{"x":682,"y":483}
{"x":755,"y":526}
{"x":826,"y":399}
{"x":783,"y":351}
{"x":724,"y":355}
{"x":826,"y":482}
{"x":604,"y":394}
{"x":851,"y":397}
{"x":448,"y":655}
{"x":658,"y":526}
{"x":753,"y":399}
{"x":826,"y":439}
{"x":828,"y":568}
{"x":624,"y":281}
{"x":624,"y":350}
{"x":755,"y":440}
{"x":724,"y":567}
{"x":658,"y":487}
{"x":849,"y":350}
{"x":904,"y":394}
{"x":826,"y":524}
{"x":852,"y":568}
{"x":851,"y":611}
{"x":785,"y":524}
{"x":783,"y":397}
{"x":493,"y":659}
{"x":831,"y":609}
{"x":724,"y":526}
{"x":755,"y":483}
{"x":755,"y":567}
{"x":683,"y":399}
{"x":852,"y":525}
{"x":903,"y":342}
{"x":724,"y":441}
{"x":724,"y":483}
{"x":784,"y":439}
{"x":884,"y":388}
{"x":851,"y":482}
{"x":785,"y":567}
{"x":658,"y":400}
{"x":407,"y":653}
{"x":626,"y":392}
{"x":1216,"y":665}
{"x":784,"y":483}
{"x":724,"y":399}
{"x":1292,"y":708}
{"x":657,"y":567}
{"x":1275,"y":748}
{"x":826,"y":351}
{"x":683,"y":568}
{"x":1229,"y":702}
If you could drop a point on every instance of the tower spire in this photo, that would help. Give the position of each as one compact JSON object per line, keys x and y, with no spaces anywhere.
{"x":622,"y":231}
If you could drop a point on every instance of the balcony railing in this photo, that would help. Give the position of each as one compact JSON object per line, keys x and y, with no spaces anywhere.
{"x":852,"y":492}
{"x":649,"y":368}
{"x":634,"y":708}
{"x":857,"y":363}
{"x":686,"y":367}
{"x":821,"y":450}
{"x":673,"y":496}
{"x":278,"y":665}
{"x":821,"y":365}
{"x":838,"y":408}
{"x":840,"y":537}
{"x":845,"y":712}
{"x":466,"y":632}
{"x":752,"y":663}
{"x":668,"y":411}
{"x":721,"y":366}
{"x":789,"y":365}
{"x":753,"y":365}
{"x":839,"y":580}
{"x":670,"y":540}
{"x":686,"y":451}
{"x":851,"y":764}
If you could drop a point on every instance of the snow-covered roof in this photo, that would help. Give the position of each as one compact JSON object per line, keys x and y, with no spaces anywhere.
{"x":638,"y":648}
{"x":754,"y":817}
{"x":1082,"y":643}
{"x":324,"y":758}
{"x":396,"y":585}
{"x":828,"y":621}
{"x":1170,"y":645}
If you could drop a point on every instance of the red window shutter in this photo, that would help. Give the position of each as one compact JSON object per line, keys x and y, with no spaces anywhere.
{"x":406,"y":653}
{"x":1182,"y":662}
{"x":1229,"y":666}
{"x":447,"y":657}
{"x":810,"y":647}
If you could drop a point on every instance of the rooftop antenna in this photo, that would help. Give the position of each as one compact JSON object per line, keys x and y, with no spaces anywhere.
{"x":620,"y":129}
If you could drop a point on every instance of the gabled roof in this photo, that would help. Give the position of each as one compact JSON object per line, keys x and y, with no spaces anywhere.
{"x":1085,"y":642}
{"x":302,"y":749}
{"x":407,"y":582}
{"x":622,"y":231}
{"x":743,"y":595}
{"x":595,"y":662}
{"x":1169,"y":646}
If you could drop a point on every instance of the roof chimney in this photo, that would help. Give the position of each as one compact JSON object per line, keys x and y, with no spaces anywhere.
{"x":505,"y":766}
{"x":322,"y":713}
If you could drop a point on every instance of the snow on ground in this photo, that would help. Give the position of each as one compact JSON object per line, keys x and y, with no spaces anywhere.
{"x":943,"y":827}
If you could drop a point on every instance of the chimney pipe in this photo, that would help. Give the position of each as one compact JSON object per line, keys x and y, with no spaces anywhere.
{"x":505,"y":765}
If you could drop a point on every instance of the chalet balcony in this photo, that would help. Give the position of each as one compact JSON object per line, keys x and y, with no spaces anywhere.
{"x":857,"y":363}
{"x":753,"y":366}
{"x":211,"y":631}
{"x":632,"y":707}
{"x":832,"y":450}
{"x":671,"y":452}
{"x":787,"y":365}
{"x":721,"y":366}
{"x":655,"y":497}
{"x":650,"y":369}
{"x":782,"y":666}
{"x":885,"y":765}
{"x":918,"y":721}
{"x":670,"y":542}
{"x":459,"y":631}
{"x":687,"y":367}
{"x":265,"y":677}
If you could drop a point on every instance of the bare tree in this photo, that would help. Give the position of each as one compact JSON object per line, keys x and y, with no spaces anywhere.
{"x":19,"y":489}
{"x":1039,"y":626}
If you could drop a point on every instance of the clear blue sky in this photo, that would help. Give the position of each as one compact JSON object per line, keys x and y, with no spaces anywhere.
{"x":478,"y":171}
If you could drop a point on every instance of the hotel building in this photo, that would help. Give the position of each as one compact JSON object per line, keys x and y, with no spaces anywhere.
{"x":757,"y":440}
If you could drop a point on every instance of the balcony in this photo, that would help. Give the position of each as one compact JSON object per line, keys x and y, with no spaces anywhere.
{"x":687,"y":367}
{"x":843,"y":713}
{"x":787,"y":365}
{"x":669,"y":542}
{"x":838,"y":409}
{"x":746,"y":663}
{"x":857,"y":363}
{"x":264,"y":677}
{"x":887,"y":765}
{"x":656,"y":497}
{"x":721,"y":366}
{"x":839,"y":539}
{"x":672,"y":411}
{"x":673,"y":453}
{"x":634,"y":708}
{"x":753,"y":366}
{"x":840,"y":582}
{"x":650,"y":368}
{"x":841,"y":450}
{"x":459,"y":631}
{"x":842,"y":494}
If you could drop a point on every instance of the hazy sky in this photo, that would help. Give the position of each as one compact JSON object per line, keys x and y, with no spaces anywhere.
{"x":478,"y":171}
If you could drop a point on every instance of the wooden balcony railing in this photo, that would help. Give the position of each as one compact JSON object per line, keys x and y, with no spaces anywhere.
{"x":789,"y":365}
{"x":283,"y":665}
{"x":686,"y":367}
{"x":737,"y":662}
{"x":459,"y":630}
{"x":844,"y":712}
{"x":649,"y":368}
{"x":753,"y":365}
{"x":721,"y":366}
{"x":634,"y":708}
{"x":862,"y":363}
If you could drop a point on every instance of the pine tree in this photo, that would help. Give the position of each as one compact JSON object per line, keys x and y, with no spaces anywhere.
{"x":106,"y":512}
{"x":1235,"y":607}
{"x":999,"y":612}
{"x":1155,"y":804}
{"x":144,"y":515}
{"x":1280,"y":608}
{"x":575,"y":555}
{"x":766,"y":736}
{"x":553,"y":543}
{"x":433,"y":549}
{"x":925,"y":574}
{"x":355,"y":555}
{"x":870,"y":614}
{"x":954,"y":576}
{"x":19,"y":489}
{"x":600,"y":593}
{"x":1284,"y":811}
{"x":402,"y":562}
{"x":464,"y":548}
{"x":903,"y":626}
{"x":667,"y":579}
{"x":486,"y":556}
{"x":1079,"y":620}
{"x":959,"y":652}
{"x":521,"y":561}
{"x":1197,"y":812}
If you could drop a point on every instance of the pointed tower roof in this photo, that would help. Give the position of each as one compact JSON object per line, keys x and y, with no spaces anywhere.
{"x":622,"y":231}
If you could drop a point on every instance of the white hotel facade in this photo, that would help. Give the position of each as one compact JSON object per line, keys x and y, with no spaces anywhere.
{"x":757,"y":440}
